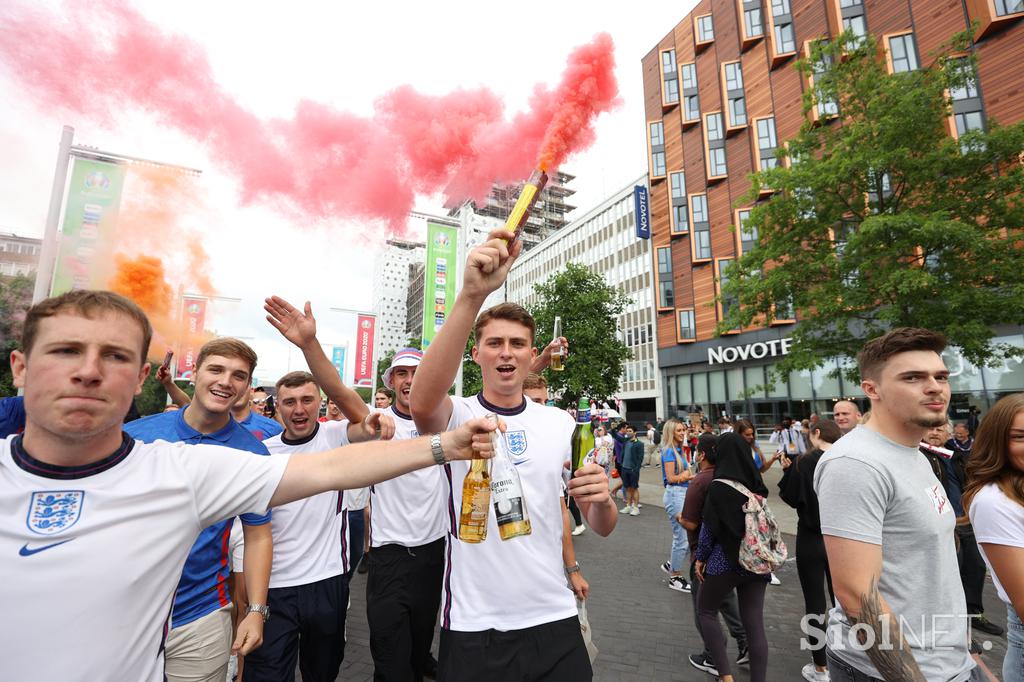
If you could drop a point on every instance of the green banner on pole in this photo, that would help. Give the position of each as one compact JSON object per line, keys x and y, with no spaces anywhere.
{"x":90,"y":215}
{"x":438,"y":278}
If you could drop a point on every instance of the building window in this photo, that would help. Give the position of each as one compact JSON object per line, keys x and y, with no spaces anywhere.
{"x":677,"y":199}
{"x":705,"y":29}
{"x":714,"y":140}
{"x":855,"y":25}
{"x":747,"y":233}
{"x":666,"y":295}
{"x":689,"y":74}
{"x":657,"y":140}
{"x":902,"y":53}
{"x":670,"y":78}
{"x":826,"y":106}
{"x":967,"y":122}
{"x":969,"y":88}
{"x":752,"y":24}
{"x":701,"y":227}
{"x":1004,"y":7}
{"x":737,"y":109}
{"x":691,"y":96}
{"x":766,"y":143}
{"x":687,"y":325}
{"x":728,"y":302}
{"x":714,"y":127}
{"x":782,"y":19}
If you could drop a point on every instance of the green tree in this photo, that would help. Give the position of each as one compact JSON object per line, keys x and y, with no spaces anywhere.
{"x":883,"y":219}
{"x":15,"y":299}
{"x":589,"y":309}
{"x":472,"y":379}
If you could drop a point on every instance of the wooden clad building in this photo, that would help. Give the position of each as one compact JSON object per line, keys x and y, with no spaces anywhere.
{"x":721,"y":94}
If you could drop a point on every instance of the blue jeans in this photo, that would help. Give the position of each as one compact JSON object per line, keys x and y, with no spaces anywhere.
{"x":1013,"y":662}
{"x":840,"y":671}
{"x":674,"y":497}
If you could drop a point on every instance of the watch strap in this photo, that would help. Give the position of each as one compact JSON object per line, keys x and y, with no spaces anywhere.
{"x":261,"y":609}
{"x":436,"y":450}
{"x":575,"y":568}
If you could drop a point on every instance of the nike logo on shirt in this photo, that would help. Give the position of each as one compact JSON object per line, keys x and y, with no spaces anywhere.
{"x":27,"y":551}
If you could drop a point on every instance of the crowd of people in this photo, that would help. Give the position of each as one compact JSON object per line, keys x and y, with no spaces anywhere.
{"x":218,"y":538}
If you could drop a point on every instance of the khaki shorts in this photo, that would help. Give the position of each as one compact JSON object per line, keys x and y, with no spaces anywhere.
{"x":199,"y":651}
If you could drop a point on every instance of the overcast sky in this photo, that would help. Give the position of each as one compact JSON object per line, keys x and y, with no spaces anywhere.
{"x":345,"y":55}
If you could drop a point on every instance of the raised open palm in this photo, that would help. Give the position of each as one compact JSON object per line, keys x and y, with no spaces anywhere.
{"x":298,"y":326}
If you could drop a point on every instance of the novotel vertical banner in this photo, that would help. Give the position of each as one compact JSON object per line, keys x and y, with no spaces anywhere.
{"x":90,"y":215}
{"x":365,"y":326}
{"x":642,"y":208}
{"x":193,"y":317}
{"x":438,"y":278}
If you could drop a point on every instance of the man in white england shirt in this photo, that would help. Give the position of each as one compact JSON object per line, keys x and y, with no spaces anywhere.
{"x":308,"y":592}
{"x":95,"y":526}
{"x":523,"y":625}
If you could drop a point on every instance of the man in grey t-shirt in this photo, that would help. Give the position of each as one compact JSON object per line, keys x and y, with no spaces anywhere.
{"x":889,"y":528}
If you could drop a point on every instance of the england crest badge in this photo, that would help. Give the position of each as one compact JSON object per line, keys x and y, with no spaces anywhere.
{"x":516,"y":444}
{"x":52,"y":511}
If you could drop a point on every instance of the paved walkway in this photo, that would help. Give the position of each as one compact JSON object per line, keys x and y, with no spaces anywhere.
{"x":644,"y":630}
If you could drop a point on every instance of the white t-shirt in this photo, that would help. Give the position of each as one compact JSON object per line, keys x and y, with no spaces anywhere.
{"x":410,"y":510}
{"x":90,"y":556}
{"x":997,"y":520}
{"x":516,"y":583}
{"x":308,"y":544}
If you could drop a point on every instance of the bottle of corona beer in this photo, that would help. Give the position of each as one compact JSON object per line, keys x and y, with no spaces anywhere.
{"x":476,"y":501}
{"x":507,"y":490}
{"x":583,"y":437}
{"x":558,"y":356}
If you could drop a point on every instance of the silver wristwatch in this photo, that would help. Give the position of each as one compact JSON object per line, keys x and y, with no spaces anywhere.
{"x":261,"y":609}
{"x":575,"y":568}
{"x":436,"y":450}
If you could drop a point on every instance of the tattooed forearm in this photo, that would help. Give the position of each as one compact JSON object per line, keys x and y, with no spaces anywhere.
{"x":890,"y":654}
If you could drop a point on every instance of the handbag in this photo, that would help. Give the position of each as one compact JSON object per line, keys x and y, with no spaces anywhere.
{"x":585,"y":630}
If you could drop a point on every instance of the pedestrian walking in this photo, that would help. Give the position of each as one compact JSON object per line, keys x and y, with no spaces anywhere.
{"x":676,"y":476}
{"x":994,"y":500}
{"x":797,"y":490}
{"x":717,"y":565}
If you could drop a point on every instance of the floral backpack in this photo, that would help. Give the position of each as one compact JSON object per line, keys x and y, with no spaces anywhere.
{"x":761,"y":548}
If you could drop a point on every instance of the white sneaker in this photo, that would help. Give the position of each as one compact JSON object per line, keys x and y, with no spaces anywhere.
{"x":578,"y":530}
{"x":635,"y":511}
{"x":775,"y":580}
{"x":811,"y":674}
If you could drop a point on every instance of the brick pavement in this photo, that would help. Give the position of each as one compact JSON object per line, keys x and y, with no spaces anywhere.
{"x":644,"y":630}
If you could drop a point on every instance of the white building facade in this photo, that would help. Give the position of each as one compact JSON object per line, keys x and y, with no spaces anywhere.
{"x":604,"y":239}
{"x":391,"y":290}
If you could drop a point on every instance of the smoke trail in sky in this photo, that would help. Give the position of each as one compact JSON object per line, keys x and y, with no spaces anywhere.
{"x":98,"y":58}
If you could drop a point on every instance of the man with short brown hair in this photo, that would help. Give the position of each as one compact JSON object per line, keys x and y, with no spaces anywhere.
{"x":539,"y":439}
{"x":199,"y":642}
{"x":885,"y":519}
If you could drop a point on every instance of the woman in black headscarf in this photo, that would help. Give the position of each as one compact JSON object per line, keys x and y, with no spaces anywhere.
{"x":718,"y":559}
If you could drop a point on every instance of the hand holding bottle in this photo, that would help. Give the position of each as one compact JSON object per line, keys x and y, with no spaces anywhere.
{"x":589,"y":484}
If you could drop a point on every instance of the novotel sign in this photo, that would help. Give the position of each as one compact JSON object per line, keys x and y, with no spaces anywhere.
{"x":751,"y":351}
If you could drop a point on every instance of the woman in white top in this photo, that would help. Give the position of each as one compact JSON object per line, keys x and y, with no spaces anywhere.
{"x":994,"y":501}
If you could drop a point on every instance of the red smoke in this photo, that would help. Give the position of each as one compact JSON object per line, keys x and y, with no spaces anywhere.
{"x":94,"y":58}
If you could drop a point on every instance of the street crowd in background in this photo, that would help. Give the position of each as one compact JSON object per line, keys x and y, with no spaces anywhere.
{"x":216,"y":540}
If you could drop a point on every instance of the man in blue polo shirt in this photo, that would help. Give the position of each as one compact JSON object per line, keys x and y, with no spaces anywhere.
{"x":199,"y":643}
{"x":12,"y":416}
{"x":256,"y":424}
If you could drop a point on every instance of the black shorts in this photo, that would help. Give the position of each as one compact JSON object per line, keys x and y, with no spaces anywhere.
{"x":552,"y":652}
{"x":630,"y":478}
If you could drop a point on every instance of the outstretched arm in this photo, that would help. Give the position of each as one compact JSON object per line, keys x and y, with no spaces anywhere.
{"x":487,"y":267}
{"x":299,"y":327}
{"x":178,"y":396}
{"x":362,"y":464}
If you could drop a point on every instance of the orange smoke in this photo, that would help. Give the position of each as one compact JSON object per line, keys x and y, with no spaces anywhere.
{"x":158,"y":252}
{"x":142,"y":280}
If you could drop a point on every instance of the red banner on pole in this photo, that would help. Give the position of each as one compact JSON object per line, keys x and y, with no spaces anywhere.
{"x":364,"y":351}
{"x":193,"y":317}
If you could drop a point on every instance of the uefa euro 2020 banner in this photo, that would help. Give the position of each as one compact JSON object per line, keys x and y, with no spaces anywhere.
{"x":90,"y":215}
{"x":438,"y":278}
